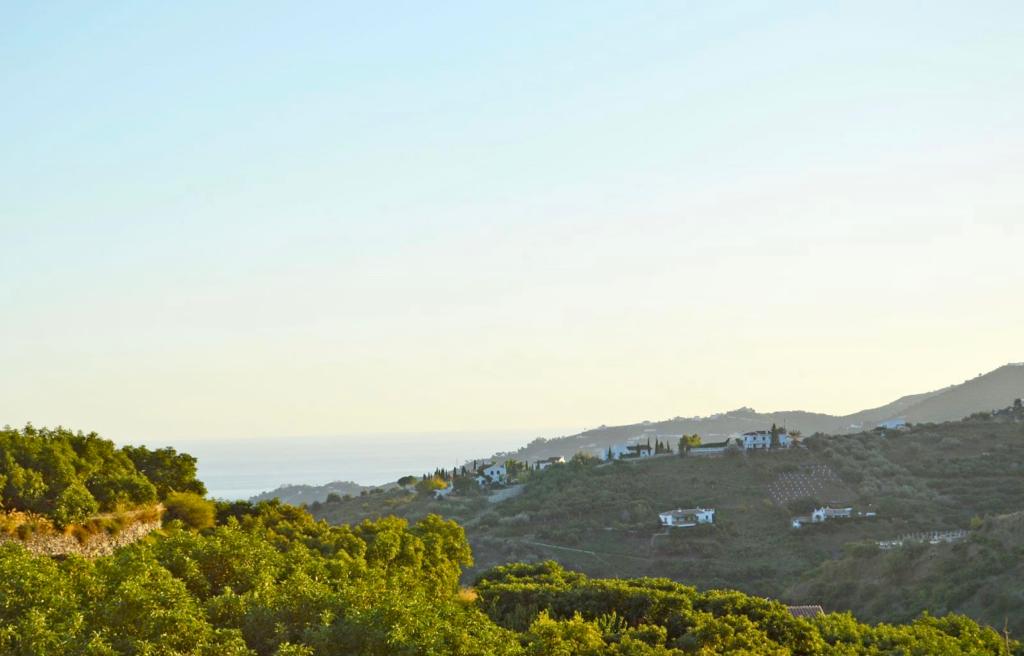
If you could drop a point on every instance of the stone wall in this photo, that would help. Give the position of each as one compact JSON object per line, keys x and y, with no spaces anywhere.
{"x":100,"y":544}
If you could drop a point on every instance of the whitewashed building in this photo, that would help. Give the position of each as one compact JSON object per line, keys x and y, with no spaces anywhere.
{"x":680,"y":517}
{"x":491,"y":474}
{"x":763,"y":439}
{"x":620,"y":451}
{"x":824,"y":514}
{"x":547,"y":462}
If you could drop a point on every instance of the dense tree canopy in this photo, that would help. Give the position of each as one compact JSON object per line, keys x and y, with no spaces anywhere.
{"x":563,"y":612}
{"x":242,"y":579}
{"x":68,"y":476}
{"x":268,"y":580}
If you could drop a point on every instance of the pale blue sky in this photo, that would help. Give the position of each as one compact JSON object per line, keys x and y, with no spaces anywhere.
{"x":233,"y":219}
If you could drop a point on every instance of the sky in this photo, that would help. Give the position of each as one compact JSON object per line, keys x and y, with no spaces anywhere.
{"x":243,"y":219}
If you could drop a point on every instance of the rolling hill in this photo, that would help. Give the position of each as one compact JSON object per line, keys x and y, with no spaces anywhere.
{"x":996,"y":389}
{"x":602,"y":518}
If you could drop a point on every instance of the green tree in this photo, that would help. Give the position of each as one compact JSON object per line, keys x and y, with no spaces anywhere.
{"x":428,"y":485}
{"x":687,"y":442}
{"x":193,"y":510}
{"x":168,"y":470}
{"x":74,"y":504}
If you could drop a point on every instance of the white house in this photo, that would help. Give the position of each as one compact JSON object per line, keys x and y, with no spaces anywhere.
{"x":687,"y":517}
{"x":547,"y":462}
{"x":491,"y":474}
{"x":893,"y":424}
{"x":823,"y":514}
{"x":763,"y":439}
{"x":639,"y":451}
{"x":620,"y":451}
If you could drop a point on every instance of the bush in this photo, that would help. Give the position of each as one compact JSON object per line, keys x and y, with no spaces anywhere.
{"x":74,"y":504}
{"x":193,"y":510}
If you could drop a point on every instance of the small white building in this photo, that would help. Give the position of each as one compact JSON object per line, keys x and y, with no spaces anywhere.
{"x":824,"y":514}
{"x":892,"y":424}
{"x":547,"y":462}
{"x":491,"y":474}
{"x":687,"y":517}
{"x":763,"y":439}
{"x":621,"y":451}
{"x":639,"y":451}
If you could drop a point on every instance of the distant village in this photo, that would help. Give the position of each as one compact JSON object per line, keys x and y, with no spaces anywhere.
{"x":493,"y":476}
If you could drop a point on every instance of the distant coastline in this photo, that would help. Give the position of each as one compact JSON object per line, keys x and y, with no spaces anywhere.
{"x":243,"y":468}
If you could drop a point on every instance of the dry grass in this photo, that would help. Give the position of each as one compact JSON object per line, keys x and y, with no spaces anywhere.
{"x":25,"y":525}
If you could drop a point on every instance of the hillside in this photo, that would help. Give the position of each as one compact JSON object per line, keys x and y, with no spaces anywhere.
{"x":64,"y":492}
{"x":302,"y":494}
{"x":980,"y":576}
{"x":996,"y":389}
{"x":602,"y":519}
{"x":268,"y":580}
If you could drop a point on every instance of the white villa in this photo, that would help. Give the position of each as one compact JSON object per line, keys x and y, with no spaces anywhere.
{"x":547,"y":462}
{"x":689,"y":517}
{"x":629,"y":450}
{"x":763,"y":439}
{"x":491,"y":474}
{"x":824,"y":514}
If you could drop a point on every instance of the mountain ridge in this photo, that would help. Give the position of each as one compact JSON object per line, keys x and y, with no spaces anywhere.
{"x":995,"y":389}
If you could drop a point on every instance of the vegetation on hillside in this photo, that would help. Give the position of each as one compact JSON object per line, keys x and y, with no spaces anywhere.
{"x":268,"y":580}
{"x":602,"y":518}
{"x":982,"y":576}
{"x":62,"y":477}
{"x":565,"y":612}
{"x":305,"y":494}
{"x":995,"y":389}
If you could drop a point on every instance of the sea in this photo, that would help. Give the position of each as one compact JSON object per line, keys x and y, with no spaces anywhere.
{"x":241,"y":468}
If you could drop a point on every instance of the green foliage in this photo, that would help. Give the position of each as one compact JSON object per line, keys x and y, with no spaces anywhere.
{"x":687,"y":442}
{"x":428,"y":485}
{"x":981,"y":574}
{"x":166,"y":469}
{"x":190,"y":508}
{"x":602,"y":519}
{"x":562,"y":612}
{"x":67,"y":476}
{"x":74,"y":504}
{"x":267,"y":580}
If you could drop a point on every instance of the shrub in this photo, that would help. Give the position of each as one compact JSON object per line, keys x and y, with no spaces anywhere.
{"x":193,"y":510}
{"x":74,"y":504}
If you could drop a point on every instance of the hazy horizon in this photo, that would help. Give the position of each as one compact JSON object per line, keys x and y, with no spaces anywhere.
{"x":247,"y":219}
